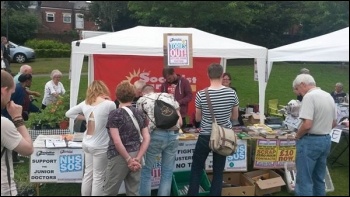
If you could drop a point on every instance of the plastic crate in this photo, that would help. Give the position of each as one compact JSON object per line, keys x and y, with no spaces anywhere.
{"x":181,"y":180}
{"x":289,"y":167}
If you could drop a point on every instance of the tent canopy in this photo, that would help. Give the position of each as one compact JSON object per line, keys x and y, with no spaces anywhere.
{"x":331,"y":47}
{"x":148,"y":41}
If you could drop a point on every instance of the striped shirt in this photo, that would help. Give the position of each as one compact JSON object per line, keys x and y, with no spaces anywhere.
{"x":222,"y":100}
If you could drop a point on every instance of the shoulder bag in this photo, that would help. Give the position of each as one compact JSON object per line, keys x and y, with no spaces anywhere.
{"x":222,"y":140}
{"x":137,"y":127}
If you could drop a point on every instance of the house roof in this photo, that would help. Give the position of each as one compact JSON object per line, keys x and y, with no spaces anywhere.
{"x":57,"y":4}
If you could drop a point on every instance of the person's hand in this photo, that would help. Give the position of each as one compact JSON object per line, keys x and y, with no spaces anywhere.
{"x":14,"y":110}
{"x":134,"y":165}
{"x":36,"y":94}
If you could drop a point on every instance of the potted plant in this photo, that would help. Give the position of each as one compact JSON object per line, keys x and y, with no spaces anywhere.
{"x":52,"y":116}
{"x":34,"y":121}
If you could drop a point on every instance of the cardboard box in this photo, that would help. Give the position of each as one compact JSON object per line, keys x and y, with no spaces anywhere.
{"x":254,"y":118}
{"x":266,"y":181}
{"x":242,"y":186}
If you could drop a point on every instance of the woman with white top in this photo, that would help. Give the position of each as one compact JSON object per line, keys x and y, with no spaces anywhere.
{"x":95,"y":110}
{"x":53,"y":89}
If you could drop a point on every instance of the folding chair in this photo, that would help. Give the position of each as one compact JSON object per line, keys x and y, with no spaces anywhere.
{"x":273,"y":108}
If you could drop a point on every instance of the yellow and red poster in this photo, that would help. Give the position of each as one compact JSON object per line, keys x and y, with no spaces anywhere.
{"x":112,"y":69}
{"x":274,"y":153}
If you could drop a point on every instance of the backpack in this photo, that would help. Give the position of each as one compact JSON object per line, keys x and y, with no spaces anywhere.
{"x":165,"y":115}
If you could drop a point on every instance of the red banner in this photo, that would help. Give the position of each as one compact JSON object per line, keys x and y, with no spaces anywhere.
{"x":112,"y":69}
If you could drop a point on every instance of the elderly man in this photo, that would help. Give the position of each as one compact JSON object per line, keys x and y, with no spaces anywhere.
{"x":26,"y":69}
{"x":318,"y":116}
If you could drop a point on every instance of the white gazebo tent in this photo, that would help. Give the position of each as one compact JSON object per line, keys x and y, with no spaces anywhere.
{"x":331,"y":47}
{"x":148,"y":41}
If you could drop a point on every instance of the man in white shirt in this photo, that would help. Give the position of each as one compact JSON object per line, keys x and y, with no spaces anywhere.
{"x":14,"y":135}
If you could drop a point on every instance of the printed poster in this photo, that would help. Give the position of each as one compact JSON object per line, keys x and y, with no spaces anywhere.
{"x":274,"y":153}
{"x":236,"y":162}
{"x":178,"y":50}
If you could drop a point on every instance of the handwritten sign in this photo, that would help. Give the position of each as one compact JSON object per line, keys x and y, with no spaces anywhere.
{"x":178,"y":50}
{"x":335,"y":135}
{"x":292,"y":121}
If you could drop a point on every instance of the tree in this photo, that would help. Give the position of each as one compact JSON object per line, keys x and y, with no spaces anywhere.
{"x":22,"y":26}
{"x":265,"y":23}
{"x":111,"y":15}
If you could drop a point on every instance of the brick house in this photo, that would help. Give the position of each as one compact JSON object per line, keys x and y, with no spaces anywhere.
{"x":58,"y":17}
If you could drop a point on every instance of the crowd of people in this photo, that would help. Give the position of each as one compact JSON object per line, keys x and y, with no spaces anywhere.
{"x":121,"y":141}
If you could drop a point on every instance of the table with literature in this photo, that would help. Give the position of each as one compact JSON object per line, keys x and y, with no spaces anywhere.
{"x":56,"y":160}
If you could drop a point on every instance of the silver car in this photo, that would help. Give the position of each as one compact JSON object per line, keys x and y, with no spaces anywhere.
{"x":21,"y":54}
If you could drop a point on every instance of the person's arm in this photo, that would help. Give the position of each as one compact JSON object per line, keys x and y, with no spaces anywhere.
{"x":51,"y":90}
{"x":145,"y":143}
{"x":305,"y":126}
{"x":187,"y":91}
{"x":235,"y":113}
{"x":180,"y":118}
{"x":25,"y":146}
{"x":63,"y":91}
{"x":34,"y":93}
{"x":76,"y":112}
{"x":119,"y":144}
{"x":198,"y":115}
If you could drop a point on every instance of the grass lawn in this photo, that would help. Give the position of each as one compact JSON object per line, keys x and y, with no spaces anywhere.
{"x":279,"y":86}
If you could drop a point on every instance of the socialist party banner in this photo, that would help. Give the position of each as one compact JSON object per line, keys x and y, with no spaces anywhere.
{"x":112,"y":69}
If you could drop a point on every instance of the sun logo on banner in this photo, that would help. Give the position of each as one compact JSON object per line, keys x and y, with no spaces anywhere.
{"x":134,"y":76}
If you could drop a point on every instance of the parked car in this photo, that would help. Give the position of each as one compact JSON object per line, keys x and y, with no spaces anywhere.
{"x":21,"y":54}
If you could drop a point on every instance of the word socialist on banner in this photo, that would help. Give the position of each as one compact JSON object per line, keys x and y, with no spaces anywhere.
{"x":178,"y":50}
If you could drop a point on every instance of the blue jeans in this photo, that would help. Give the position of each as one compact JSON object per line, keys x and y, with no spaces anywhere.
{"x":311,"y":163}
{"x":200,"y":154}
{"x":163,"y":142}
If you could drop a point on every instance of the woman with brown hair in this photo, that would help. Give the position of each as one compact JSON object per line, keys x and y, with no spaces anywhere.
{"x":129,"y":140}
{"x":95,"y":110}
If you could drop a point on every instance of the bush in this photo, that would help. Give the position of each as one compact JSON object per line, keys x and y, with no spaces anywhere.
{"x":47,"y":44}
{"x":49,"y":48}
{"x":52,"y":53}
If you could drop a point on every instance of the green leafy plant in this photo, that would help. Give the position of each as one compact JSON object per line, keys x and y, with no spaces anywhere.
{"x":52,"y":115}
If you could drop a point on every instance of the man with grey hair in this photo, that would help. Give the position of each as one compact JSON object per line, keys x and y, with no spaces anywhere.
{"x":26,"y":69}
{"x":302,"y":71}
{"x":318,"y":117}
{"x":139,"y":84}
